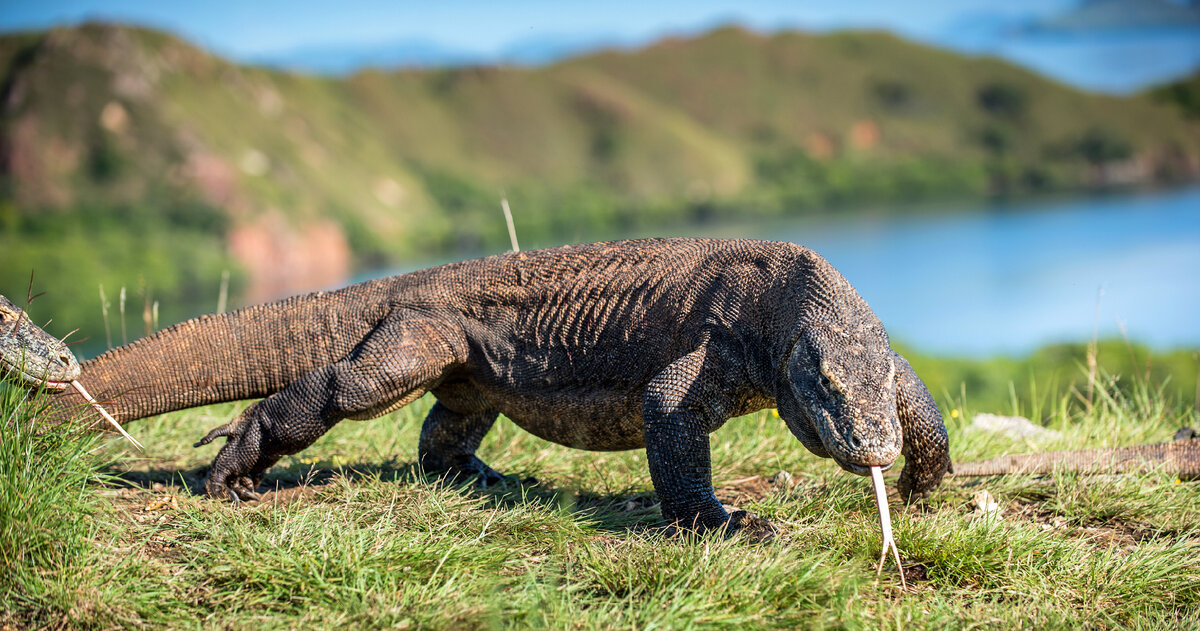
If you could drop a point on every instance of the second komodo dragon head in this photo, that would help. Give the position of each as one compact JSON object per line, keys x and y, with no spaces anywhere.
{"x":33,"y":356}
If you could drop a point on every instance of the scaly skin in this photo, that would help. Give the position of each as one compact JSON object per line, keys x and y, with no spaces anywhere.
{"x":30,"y":355}
{"x":1181,"y":457}
{"x":601,"y":346}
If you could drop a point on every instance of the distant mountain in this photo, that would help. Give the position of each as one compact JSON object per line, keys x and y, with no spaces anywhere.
{"x":1113,"y":46}
{"x":1184,"y":94}
{"x":981,"y":30}
{"x":1124,"y":15}
{"x":547,"y":49}
{"x":130,"y":157}
{"x":343,"y":59}
{"x":348,"y":58}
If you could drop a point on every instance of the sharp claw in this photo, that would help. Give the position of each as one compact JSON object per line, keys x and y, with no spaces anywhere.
{"x":213,"y":435}
{"x":229,"y":429}
{"x":245,"y":488}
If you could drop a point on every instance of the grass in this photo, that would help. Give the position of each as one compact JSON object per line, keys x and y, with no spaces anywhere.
{"x":355,"y":536}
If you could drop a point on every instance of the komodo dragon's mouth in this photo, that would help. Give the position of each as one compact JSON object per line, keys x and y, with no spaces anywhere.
{"x":35,"y":381}
{"x":861,"y":470}
{"x":36,"y":375}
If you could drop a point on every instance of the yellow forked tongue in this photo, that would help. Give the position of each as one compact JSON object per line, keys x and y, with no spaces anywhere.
{"x":885,"y":522}
{"x":103,"y":412}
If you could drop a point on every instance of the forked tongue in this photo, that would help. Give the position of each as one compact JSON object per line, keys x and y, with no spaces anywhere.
{"x":885,"y":522}
{"x":103,"y":412}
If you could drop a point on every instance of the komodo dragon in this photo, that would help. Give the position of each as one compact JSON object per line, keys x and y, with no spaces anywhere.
{"x":30,"y":355}
{"x":605,"y":346}
{"x":36,"y":359}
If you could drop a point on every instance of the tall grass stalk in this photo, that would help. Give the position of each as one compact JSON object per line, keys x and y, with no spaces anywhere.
{"x":104,"y":306}
{"x":124,"y":335}
{"x":223,"y":292}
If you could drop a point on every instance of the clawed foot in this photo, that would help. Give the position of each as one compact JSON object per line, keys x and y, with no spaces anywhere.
{"x":472,"y":467}
{"x":242,"y":462}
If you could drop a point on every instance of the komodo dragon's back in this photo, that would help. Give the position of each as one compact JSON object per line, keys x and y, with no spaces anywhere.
{"x":580,"y":330}
{"x":598,"y":346}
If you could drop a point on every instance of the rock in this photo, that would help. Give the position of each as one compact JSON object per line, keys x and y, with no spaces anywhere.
{"x":1015,"y":427}
{"x":984,"y":503}
{"x":783,"y":478}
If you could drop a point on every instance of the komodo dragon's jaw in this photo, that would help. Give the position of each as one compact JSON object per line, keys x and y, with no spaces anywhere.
{"x":34,"y":357}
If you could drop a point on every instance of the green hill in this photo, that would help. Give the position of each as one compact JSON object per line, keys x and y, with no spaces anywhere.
{"x":1184,"y":94}
{"x":131,"y":158}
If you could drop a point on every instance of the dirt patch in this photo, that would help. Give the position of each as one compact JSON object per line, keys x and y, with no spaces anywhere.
{"x":1123,"y":533}
{"x":748,"y":489}
{"x":916,"y":573}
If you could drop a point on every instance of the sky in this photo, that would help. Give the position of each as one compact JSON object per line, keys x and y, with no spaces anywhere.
{"x":307,"y":35}
{"x":246,"y":30}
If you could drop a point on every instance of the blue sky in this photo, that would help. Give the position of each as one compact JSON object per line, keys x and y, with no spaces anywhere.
{"x":336,"y":37}
{"x":247,"y":29}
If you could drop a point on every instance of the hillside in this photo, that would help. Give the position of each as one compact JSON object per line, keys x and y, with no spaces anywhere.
{"x":131,"y":158}
{"x":1184,"y":94}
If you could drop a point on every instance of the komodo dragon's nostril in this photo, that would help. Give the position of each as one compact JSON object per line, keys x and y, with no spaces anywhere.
{"x":65,"y":359}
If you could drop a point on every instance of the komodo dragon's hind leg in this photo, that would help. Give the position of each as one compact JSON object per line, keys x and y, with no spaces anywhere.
{"x":449,"y":440}
{"x":396,"y":364}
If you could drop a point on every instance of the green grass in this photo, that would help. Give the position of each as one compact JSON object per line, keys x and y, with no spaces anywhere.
{"x":358,"y":538}
{"x":46,"y":505}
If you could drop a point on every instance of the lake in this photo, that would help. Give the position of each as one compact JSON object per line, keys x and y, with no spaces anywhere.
{"x":1007,"y":278}
{"x":980,"y":279}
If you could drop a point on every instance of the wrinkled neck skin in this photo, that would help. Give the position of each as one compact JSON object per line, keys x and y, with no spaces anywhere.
{"x":838,"y":396}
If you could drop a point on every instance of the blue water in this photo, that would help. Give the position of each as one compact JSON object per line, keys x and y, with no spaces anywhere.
{"x":1007,"y":279}
{"x":988,"y":279}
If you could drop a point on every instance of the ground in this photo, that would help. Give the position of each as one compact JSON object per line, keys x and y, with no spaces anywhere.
{"x":354,"y":535}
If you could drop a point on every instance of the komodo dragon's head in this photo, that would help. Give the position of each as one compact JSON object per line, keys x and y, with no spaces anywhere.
{"x":34,"y":356}
{"x":844,"y":390}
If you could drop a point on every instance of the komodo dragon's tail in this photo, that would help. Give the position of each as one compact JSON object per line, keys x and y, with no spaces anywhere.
{"x":1181,"y":457}
{"x":248,"y":353}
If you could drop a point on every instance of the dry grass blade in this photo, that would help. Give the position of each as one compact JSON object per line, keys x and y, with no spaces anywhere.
{"x":103,"y":412}
{"x":885,"y":522}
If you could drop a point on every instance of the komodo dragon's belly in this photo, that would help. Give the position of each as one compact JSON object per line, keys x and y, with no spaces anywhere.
{"x":580,"y":401}
{"x":581,"y":418}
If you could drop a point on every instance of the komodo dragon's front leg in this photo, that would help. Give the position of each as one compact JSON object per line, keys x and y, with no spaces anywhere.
{"x":681,"y":406}
{"x":393,"y":366}
{"x":926,"y":445}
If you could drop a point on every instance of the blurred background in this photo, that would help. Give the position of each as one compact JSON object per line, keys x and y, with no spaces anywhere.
{"x":1005,"y":182}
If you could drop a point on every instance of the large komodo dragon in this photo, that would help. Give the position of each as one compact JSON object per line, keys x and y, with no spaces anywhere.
{"x":605,"y":346}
